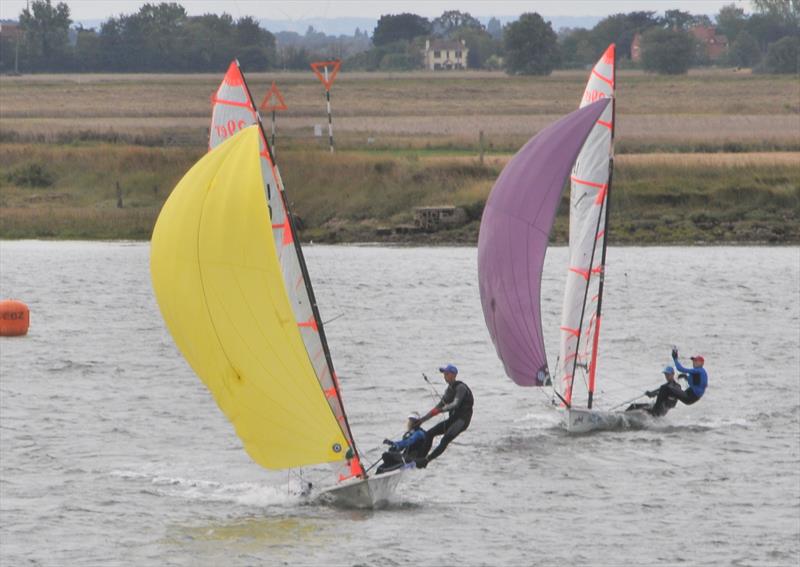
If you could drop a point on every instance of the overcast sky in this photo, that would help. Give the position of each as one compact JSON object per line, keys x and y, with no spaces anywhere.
{"x":84,"y":10}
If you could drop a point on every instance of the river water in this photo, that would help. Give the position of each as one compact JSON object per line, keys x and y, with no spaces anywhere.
{"x":113,"y":453}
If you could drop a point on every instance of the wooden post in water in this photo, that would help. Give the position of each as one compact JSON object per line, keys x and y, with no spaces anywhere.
{"x":480,"y":145}
{"x":119,"y":196}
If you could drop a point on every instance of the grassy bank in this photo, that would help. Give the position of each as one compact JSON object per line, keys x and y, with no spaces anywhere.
{"x":70,"y":191}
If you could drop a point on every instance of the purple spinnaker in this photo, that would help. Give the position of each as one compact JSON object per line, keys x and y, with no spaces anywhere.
{"x":512,"y":243}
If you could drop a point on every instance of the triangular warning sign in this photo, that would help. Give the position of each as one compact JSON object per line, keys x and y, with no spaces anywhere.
{"x":319,"y":70}
{"x":267,"y":105}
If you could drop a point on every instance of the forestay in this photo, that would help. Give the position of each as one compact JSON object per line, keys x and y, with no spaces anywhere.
{"x":234,"y":109}
{"x":580,"y":323}
{"x":512,"y":243}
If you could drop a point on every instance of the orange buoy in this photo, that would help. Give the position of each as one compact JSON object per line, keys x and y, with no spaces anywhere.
{"x":14,"y":318}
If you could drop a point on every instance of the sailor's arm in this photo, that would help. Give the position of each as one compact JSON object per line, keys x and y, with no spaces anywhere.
{"x":435,"y":411}
{"x":461,"y":392}
{"x":679,"y":366}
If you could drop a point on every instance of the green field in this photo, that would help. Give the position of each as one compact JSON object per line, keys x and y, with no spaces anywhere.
{"x":709,"y":157}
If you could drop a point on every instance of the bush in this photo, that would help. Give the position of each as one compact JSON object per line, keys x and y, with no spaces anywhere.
{"x":668,"y":52}
{"x":31,"y":175}
{"x":531,"y":46}
{"x":398,"y":62}
{"x":782,"y":56}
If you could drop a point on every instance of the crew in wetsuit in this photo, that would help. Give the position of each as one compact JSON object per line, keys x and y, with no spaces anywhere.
{"x":667,"y":395}
{"x":414,"y":445}
{"x":458,"y":401}
{"x":697,"y":379}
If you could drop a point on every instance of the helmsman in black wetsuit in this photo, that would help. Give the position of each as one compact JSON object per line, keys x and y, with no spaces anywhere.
{"x":667,"y":394}
{"x":458,"y":401}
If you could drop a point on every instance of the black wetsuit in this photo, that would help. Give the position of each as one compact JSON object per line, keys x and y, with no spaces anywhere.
{"x":667,"y":398}
{"x":668,"y":395}
{"x":458,"y":400}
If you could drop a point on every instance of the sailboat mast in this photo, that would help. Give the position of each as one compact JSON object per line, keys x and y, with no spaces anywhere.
{"x":593,"y":363}
{"x":304,"y":271}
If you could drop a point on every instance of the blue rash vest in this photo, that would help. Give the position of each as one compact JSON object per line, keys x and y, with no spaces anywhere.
{"x":698,"y":378}
{"x":408,"y":440}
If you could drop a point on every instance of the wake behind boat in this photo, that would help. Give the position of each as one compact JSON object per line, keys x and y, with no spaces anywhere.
{"x":232,"y":285}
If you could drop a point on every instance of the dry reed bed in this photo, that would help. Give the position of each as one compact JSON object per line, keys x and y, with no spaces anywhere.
{"x":505,"y":132}
{"x":413,"y":94}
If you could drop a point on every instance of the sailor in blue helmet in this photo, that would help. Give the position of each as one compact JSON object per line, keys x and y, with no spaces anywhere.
{"x":458,"y":401}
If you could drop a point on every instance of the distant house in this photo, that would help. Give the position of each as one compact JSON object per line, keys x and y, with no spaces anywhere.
{"x":710,"y":44}
{"x":444,"y":55}
{"x":10,"y":29}
{"x":636,"y":48}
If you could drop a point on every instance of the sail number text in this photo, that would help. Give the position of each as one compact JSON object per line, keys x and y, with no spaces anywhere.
{"x":229,"y":128}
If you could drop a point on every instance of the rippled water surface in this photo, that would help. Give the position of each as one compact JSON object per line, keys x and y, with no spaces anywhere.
{"x":113,"y":453}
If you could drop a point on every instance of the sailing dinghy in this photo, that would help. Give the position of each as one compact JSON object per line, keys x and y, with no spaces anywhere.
{"x":232,"y":285}
{"x":514,"y":233}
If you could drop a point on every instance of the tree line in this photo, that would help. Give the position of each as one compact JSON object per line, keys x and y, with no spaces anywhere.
{"x":163,"y":38}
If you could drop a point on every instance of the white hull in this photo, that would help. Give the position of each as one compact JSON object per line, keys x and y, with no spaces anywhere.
{"x":374,"y":492}
{"x":586,"y":420}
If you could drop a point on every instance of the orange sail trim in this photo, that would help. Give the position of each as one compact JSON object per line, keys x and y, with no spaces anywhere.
{"x":233,"y":77}
{"x":573,"y":332}
{"x":583,"y":273}
{"x":310,"y":324}
{"x":588,"y":183}
{"x":601,"y":195}
{"x":355,"y":469}
{"x":606,"y":124}
{"x":608,"y":56}
{"x":603,"y":78}
{"x":288,"y":238}
{"x":216,"y":100}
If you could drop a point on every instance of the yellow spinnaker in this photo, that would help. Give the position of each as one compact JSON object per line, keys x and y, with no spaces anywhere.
{"x":218,"y":283}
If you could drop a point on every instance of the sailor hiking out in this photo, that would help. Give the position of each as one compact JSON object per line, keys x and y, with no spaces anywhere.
{"x":697,"y":378}
{"x":414,"y":445}
{"x":458,"y":401}
{"x":666,"y":395}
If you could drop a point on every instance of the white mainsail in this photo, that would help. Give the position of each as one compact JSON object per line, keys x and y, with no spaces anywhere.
{"x":233,"y":110}
{"x":580,"y":318}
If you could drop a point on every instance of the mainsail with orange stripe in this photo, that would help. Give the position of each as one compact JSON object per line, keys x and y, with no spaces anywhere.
{"x":232,"y":284}
{"x":590,"y":182}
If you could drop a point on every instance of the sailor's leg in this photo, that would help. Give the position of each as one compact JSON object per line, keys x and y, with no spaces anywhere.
{"x":686,"y":396}
{"x":665,"y":394}
{"x":391,"y":459}
{"x":437,"y":429}
{"x":452,"y":432}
